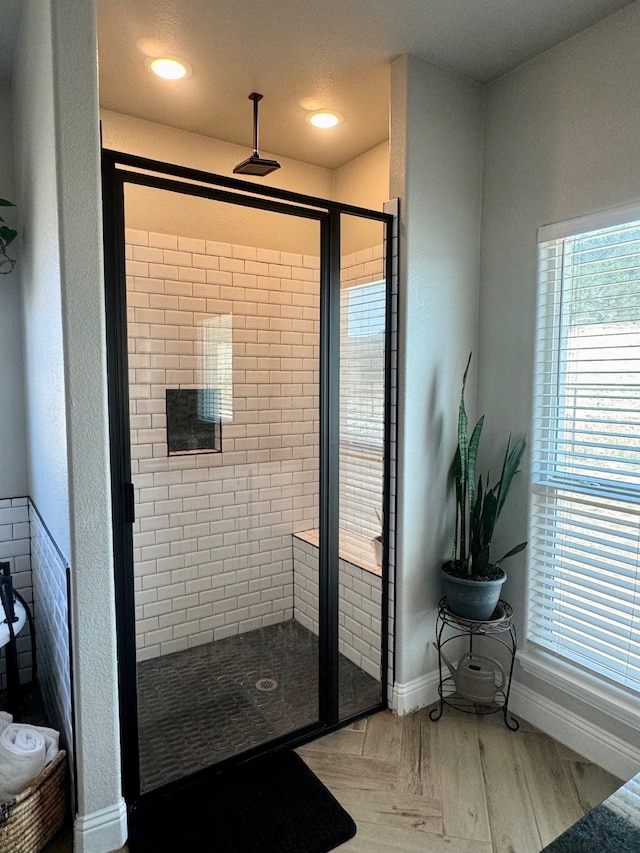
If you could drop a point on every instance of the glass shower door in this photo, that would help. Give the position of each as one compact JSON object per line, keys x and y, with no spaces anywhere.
{"x":223,"y":341}
{"x":250,"y":472}
{"x":362,"y":405}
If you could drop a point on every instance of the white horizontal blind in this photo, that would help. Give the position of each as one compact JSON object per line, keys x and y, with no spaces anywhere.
{"x":585,"y":511}
{"x":362,"y":390}
{"x":216,"y":346}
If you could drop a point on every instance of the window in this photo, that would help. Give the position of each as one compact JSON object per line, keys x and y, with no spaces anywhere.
{"x":217,"y":368}
{"x":584,"y":548}
{"x":362,"y":388}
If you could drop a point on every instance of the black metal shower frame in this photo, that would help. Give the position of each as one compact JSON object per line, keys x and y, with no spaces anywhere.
{"x":119,"y":169}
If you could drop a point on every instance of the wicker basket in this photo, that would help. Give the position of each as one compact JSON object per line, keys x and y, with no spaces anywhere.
{"x":39,"y":811}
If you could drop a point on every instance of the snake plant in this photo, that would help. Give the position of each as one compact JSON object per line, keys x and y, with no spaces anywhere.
{"x":478,"y":507}
{"x":6,"y":236}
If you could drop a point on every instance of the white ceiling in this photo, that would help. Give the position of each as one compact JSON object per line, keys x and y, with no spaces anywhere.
{"x":325,"y":53}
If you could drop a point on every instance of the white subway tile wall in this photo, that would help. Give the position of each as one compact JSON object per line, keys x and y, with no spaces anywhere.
{"x":15,"y":548}
{"x":212,"y":537}
{"x":52,"y":638}
{"x":213,"y":553}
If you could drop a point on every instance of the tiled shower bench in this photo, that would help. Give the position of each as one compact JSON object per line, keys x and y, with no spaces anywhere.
{"x":360,"y":596}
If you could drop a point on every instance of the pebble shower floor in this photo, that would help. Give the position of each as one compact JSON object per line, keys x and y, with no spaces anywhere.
{"x":202,"y":705}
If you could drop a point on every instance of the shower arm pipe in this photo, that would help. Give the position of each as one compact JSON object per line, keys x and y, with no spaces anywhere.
{"x":255,"y":97}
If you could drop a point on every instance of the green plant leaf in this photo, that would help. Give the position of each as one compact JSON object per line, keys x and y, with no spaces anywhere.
{"x":478,"y":507}
{"x":463,"y":453}
{"x":463,"y":437}
{"x":481,"y":566}
{"x":457,"y":466}
{"x":475,"y":523}
{"x":474,"y":445}
{"x":7,"y":234}
{"x":5,"y":203}
{"x":489,"y":512}
{"x":510,"y":468}
{"x":489,"y":518}
{"x":513,"y":551}
{"x":457,"y":477}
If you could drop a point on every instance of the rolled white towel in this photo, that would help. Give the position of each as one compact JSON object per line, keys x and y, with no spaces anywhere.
{"x":51,"y":741}
{"x":23,"y":752}
{"x":51,"y":736}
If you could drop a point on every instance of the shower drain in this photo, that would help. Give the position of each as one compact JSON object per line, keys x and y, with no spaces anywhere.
{"x":266,"y":684}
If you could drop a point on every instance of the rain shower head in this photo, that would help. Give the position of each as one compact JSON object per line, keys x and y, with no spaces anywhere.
{"x":256,"y":165}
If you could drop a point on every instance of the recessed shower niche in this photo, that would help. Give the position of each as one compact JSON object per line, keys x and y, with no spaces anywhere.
{"x":193,"y":417}
{"x":254,"y":441}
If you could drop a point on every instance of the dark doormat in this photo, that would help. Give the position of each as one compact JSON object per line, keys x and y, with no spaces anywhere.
{"x":273,"y":804}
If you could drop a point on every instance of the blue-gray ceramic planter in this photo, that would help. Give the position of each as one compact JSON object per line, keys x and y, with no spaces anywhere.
{"x":475,"y":600}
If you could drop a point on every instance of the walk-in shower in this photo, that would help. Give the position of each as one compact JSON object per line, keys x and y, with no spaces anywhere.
{"x":249,"y":345}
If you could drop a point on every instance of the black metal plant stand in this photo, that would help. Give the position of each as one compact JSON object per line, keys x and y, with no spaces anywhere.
{"x":501,"y":629}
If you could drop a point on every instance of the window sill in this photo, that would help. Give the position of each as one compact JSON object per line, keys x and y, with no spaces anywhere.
{"x":616,"y":702}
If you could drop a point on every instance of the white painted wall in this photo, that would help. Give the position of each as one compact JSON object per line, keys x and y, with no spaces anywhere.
{"x":13,"y":456}
{"x":561,"y":140}
{"x":56,"y":133}
{"x":436,"y":150}
{"x":148,"y":139}
{"x":40,"y":273}
{"x":365,"y":183}
{"x":365,"y":180}
{"x":200,"y":218}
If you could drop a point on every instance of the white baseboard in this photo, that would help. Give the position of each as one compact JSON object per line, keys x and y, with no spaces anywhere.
{"x":618,"y":756}
{"x":418,"y":693}
{"x":101,"y":831}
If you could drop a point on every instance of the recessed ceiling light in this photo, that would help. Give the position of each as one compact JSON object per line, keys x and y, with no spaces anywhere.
{"x":324,"y":118}
{"x":168,"y":67}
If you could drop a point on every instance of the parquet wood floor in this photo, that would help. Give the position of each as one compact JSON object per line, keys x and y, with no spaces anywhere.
{"x":462,"y":785}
